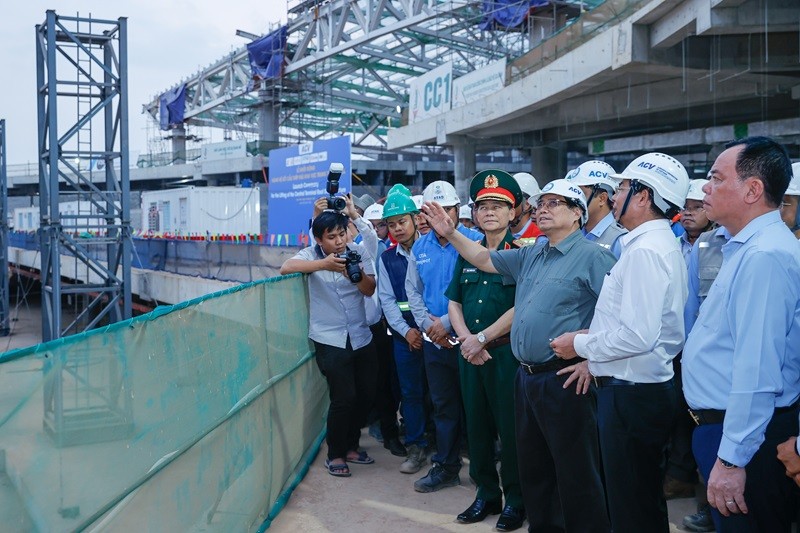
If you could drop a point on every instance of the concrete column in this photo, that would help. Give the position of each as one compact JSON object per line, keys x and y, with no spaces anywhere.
{"x":268,"y":118}
{"x":178,"y":138}
{"x":548,"y":164}
{"x":464,"y":156}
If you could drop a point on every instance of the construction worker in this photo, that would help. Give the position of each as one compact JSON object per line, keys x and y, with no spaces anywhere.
{"x":422,"y":224}
{"x":481,"y":309}
{"x":524,"y":225}
{"x":374,"y":213}
{"x":636,"y":331}
{"x":741,"y":361}
{"x":399,"y":212}
{"x":430,"y":268}
{"x":557,"y":285}
{"x":593,"y":177}
{"x":693,"y":217}
{"x":465,"y":216}
{"x":790,"y":213}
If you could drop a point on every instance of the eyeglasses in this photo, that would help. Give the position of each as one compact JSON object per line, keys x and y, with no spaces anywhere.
{"x":692,"y":209}
{"x":550,"y":204}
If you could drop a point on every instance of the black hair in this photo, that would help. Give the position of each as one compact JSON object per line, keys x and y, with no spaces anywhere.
{"x":328,"y":221}
{"x":766,"y":160}
{"x":638,"y":186}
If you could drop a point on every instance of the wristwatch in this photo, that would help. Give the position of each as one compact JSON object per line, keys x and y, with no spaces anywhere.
{"x":726,"y":464}
{"x":481,"y":338}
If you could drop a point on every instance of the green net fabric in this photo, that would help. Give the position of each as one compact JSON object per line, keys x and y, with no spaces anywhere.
{"x":195,"y":417}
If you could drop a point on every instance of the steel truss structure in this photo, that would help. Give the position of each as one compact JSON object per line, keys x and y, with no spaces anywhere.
{"x":82,"y":74}
{"x":4,"y":296}
{"x":347,"y":67}
{"x":85,"y":66}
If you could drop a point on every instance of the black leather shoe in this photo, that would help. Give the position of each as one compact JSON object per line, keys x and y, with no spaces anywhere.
{"x":479,"y":510}
{"x":510,"y":519}
{"x":395,"y":447}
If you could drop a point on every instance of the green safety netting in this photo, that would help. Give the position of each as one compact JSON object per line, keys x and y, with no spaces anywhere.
{"x":195,"y":417}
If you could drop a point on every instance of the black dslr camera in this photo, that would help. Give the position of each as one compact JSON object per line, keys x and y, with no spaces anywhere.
{"x":337,"y":203}
{"x":352,"y":259}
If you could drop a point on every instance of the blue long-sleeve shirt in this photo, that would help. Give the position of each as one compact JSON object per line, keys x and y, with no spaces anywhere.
{"x":743,"y":354}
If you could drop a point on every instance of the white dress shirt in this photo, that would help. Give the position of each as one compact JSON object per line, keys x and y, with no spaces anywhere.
{"x":638,"y":326}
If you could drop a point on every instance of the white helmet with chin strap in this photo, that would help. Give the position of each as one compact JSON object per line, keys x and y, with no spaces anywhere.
{"x":442,"y":192}
{"x":794,"y":184}
{"x":663,"y":174}
{"x":568,"y":190}
{"x":696,"y":190}
{"x":527,"y":183}
{"x":595,"y":174}
{"x":374,"y":212}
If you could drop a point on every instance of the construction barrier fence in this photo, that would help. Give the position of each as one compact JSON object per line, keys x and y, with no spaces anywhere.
{"x":194,"y":417}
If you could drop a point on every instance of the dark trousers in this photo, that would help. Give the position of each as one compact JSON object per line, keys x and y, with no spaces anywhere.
{"x":387,"y":393}
{"x":351,"y":376}
{"x":411,"y":374}
{"x":769,"y":494}
{"x":680,"y":459}
{"x":441,"y":368}
{"x":635,"y":423}
{"x":488,"y":394}
{"x":558,"y":455}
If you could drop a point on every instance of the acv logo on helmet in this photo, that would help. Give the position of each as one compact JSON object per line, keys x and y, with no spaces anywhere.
{"x":597,"y":174}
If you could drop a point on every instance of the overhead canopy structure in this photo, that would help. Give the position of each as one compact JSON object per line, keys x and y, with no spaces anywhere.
{"x":347,"y":64}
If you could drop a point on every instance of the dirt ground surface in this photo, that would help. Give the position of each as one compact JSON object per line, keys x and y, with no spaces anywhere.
{"x":379,"y":497}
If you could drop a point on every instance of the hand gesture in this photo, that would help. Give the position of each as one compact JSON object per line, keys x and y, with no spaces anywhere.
{"x":319,"y":206}
{"x":437,"y":333}
{"x":787,"y":454}
{"x":579,"y":374}
{"x":334,"y":264}
{"x":479,"y":359}
{"x":438,"y":219}
{"x":350,"y":207}
{"x":414,"y":339}
{"x":564,"y":345}
{"x":725,"y":489}
{"x":470,"y":346}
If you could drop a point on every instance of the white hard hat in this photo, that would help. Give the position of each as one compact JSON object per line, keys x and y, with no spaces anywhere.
{"x":696,"y":190}
{"x":794,"y":185}
{"x":373,"y":212}
{"x":465,"y":212}
{"x":591,"y":173}
{"x":527,"y":183}
{"x":664,"y":174}
{"x":418,"y":200}
{"x":566,"y":189}
{"x":442,"y":192}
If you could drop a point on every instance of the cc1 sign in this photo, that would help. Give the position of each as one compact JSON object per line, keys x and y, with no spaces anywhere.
{"x":430,"y":94}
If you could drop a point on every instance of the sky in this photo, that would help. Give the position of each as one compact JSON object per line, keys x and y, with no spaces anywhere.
{"x":167,"y":41}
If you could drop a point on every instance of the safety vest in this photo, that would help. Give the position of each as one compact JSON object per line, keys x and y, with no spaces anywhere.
{"x":396,"y":266}
{"x":709,"y":260}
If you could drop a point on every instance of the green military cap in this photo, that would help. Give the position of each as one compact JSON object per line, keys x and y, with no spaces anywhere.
{"x":495,"y":185}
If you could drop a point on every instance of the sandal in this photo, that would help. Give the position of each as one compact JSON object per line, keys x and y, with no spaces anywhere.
{"x":362,"y":459}
{"x":337,"y":469}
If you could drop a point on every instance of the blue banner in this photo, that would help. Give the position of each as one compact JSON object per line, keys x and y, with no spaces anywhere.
{"x":172,"y":106}
{"x":297,"y":177}
{"x":266,"y":54}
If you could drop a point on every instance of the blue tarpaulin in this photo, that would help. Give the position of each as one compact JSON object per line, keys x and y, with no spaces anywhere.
{"x":507,"y":13}
{"x":266,"y":54}
{"x":172,"y":106}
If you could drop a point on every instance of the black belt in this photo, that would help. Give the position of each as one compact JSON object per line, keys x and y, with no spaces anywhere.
{"x":607,"y":381}
{"x":703,"y":417}
{"x":499,"y":341}
{"x":553,"y":364}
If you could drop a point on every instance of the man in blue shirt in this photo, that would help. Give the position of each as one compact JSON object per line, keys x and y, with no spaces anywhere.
{"x":430,"y":269}
{"x":741,"y":365}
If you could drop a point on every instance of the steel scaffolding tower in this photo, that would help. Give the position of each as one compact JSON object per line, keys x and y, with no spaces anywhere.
{"x":4,"y":300}
{"x":82,"y":75}
{"x":88,"y":69}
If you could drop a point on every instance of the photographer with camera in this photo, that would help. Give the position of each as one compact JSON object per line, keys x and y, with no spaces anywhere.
{"x":338,"y":282}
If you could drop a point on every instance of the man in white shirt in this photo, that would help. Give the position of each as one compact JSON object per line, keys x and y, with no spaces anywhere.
{"x":636,"y":331}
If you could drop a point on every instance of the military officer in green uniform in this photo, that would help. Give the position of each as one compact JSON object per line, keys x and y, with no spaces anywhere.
{"x":481,"y":310}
